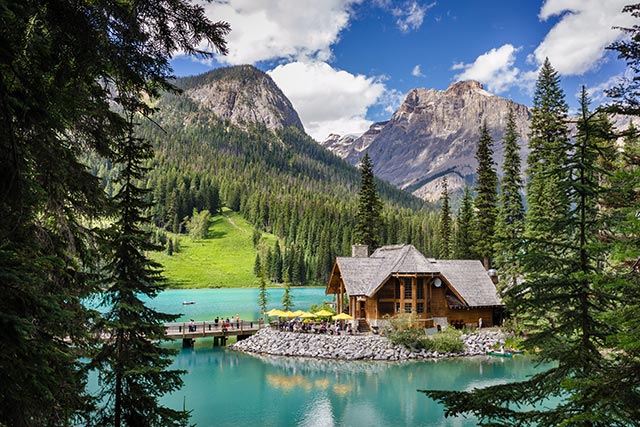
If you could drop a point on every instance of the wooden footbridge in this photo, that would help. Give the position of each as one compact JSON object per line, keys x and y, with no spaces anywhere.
{"x":188,"y":332}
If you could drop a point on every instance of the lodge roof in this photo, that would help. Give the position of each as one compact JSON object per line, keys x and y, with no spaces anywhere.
{"x":364,"y":276}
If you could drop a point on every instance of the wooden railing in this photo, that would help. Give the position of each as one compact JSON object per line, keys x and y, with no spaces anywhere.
{"x":209,"y":328}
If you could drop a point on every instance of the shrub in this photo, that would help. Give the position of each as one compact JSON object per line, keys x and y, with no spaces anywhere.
{"x":447,"y":341}
{"x":402,"y":330}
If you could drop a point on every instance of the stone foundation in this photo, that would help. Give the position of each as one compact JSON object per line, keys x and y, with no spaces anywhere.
{"x":354,"y":347}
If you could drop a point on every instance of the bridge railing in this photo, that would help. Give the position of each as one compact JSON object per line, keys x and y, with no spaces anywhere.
{"x":207,"y":326}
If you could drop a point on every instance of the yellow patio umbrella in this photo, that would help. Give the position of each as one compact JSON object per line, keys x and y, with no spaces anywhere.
{"x":288,"y":314}
{"x":298,"y":312}
{"x":275,"y":312}
{"x":307,"y":315}
{"x":324,"y":313}
{"x":342,"y":316}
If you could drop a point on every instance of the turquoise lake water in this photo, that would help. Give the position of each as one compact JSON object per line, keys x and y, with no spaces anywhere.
{"x":210,"y":303}
{"x":227,"y":388}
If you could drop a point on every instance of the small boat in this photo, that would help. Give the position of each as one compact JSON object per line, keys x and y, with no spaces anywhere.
{"x":499,"y":353}
{"x":188,"y":302}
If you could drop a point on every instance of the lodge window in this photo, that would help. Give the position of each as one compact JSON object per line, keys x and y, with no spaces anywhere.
{"x":385,"y":308}
{"x":397,"y":307}
{"x":407,"y":288}
{"x":398,"y":289}
{"x":407,"y":307}
{"x":420,"y":307}
{"x":420,"y":289}
{"x":387,"y":291}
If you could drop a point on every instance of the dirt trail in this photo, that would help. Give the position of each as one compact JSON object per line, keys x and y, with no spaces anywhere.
{"x":235,"y":225}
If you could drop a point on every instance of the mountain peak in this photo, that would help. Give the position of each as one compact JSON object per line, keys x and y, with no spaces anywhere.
{"x":435,"y":134}
{"x":242,"y":94}
{"x":467,"y":86}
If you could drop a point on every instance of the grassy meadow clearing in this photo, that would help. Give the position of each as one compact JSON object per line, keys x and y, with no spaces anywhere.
{"x":224,"y":259}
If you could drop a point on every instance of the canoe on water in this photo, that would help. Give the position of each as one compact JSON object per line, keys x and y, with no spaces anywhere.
{"x":499,"y":354}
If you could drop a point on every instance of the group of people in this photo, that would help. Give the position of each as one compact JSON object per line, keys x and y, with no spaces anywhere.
{"x":322,"y":327}
{"x":227,"y":323}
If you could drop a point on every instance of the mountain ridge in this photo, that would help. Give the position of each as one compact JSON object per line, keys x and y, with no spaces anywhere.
{"x":434,"y":134}
{"x":243,"y":95}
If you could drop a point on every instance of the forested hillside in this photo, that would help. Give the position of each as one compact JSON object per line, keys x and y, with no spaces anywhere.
{"x":281,"y":181}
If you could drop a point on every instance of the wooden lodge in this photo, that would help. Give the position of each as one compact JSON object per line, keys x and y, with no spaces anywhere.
{"x":399,"y":279}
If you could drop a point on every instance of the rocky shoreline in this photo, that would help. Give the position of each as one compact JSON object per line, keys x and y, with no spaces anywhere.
{"x":355,"y":347}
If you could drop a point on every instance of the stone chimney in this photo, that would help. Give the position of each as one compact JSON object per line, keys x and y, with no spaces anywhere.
{"x":493,"y":274}
{"x":360,"y":251}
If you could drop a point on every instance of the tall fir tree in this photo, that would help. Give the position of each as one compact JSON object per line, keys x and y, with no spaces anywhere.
{"x":566,"y":303}
{"x":263,"y":296}
{"x":623,"y":205}
{"x":464,"y":230}
{"x":276,"y":263}
{"x":486,"y":199}
{"x":546,"y":197}
{"x":510,"y":220}
{"x":257,"y":266}
{"x":287,"y":300}
{"x":445,"y":223}
{"x":58,"y":67}
{"x":369,"y":216}
{"x":133,"y":365}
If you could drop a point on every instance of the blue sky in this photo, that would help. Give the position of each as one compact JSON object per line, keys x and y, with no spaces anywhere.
{"x":347,"y":63}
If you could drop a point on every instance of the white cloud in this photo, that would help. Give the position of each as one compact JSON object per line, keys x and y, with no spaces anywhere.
{"x":329,"y":100}
{"x":293,"y":29}
{"x":391,"y":100}
{"x":597,"y":93}
{"x":495,"y":69}
{"x":416,"y":72}
{"x":411,"y":15}
{"x":576,"y":44}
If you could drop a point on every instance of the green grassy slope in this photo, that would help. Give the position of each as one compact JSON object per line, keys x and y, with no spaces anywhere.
{"x":225,"y":259}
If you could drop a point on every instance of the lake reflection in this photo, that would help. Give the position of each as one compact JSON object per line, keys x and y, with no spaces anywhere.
{"x":227,"y":388}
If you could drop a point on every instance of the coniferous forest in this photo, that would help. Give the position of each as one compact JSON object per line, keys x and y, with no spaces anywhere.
{"x":282,"y":181}
{"x":101,"y":156}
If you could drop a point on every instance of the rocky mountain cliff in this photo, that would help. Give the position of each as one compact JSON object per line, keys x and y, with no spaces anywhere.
{"x":434,"y":134}
{"x":243,"y":95}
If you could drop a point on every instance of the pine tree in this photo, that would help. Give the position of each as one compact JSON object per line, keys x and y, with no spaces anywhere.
{"x":287,"y":265}
{"x":445,"y":223}
{"x":257,"y":266}
{"x":287,"y":300}
{"x":510,"y":221}
{"x":276,"y":263}
{"x":369,"y":217}
{"x":263,"y":296}
{"x":486,"y":199}
{"x":465,"y":228}
{"x":622,"y":207}
{"x":257,"y":235}
{"x":546,"y":197}
{"x":133,"y":365}
{"x":566,"y":301}
{"x":268,"y":264}
{"x":59,"y":65}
